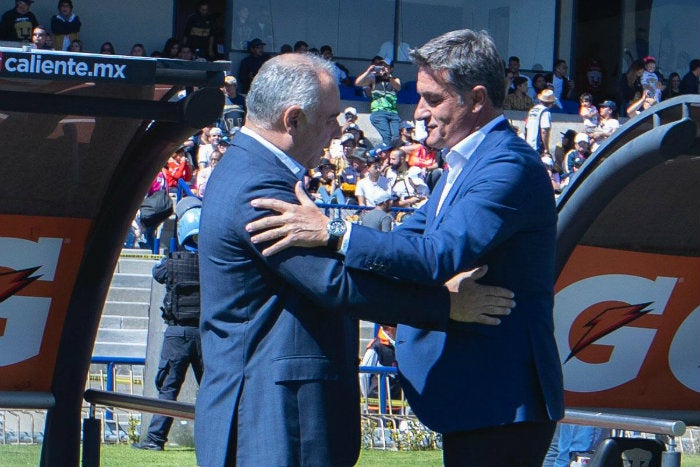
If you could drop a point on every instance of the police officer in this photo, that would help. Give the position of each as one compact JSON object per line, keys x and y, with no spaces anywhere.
{"x":179,"y":271}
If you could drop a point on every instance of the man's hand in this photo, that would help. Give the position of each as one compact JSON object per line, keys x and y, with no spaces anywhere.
{"x":297,"y":225}
{"x":475,"y":303}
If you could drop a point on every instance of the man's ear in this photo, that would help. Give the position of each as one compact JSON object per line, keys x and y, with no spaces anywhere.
{"x":479,"y":97}
{"x":292,"y":117}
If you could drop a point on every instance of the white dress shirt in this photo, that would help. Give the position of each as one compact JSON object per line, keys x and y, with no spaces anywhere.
{"x":457,"y":158}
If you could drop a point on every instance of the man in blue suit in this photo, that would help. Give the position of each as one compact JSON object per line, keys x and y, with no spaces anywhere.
{"x":280,"y":335}
{"x":494,"y":392}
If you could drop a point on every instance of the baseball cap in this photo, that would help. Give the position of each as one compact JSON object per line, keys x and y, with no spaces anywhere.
{"x":359,"y":153}
{"x":581,"y":138}
{"x":230,"y":80}
{"x":414,"y":173}
{"x":215,"y":131}
{"x":649,"y":58}
{"x":407,"y":125}
{"x":381,"y":147}
{"x":350,"y":110}
{"x":569,"y":133}
{"x":347,"y":137}
{"x":382,"y":197}
{"x":352,"y":126}
{"x":256,"y":42}
{"x":610,"y":104}
{"x":326,"y":163}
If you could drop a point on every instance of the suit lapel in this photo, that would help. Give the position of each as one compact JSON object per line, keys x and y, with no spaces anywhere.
{"x":464,"y":175}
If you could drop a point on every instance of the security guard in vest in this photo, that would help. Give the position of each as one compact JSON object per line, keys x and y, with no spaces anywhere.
{"x":179,"y":271}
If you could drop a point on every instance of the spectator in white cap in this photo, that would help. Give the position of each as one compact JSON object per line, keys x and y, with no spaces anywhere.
{"x":350,"y":116}
{"x":410,"y":188}
{"x":578,"y":154}
{"x":554,"y":176}
{"x":379,"y":218}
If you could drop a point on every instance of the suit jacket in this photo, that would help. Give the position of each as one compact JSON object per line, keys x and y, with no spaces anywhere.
{"x":280,"y":335}
{"x":500,"y":212}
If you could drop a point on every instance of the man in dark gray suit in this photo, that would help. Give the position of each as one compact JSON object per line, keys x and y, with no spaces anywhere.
{"x":280,"y":334}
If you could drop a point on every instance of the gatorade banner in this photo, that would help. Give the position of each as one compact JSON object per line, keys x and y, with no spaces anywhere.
{"x":39,"y":262}
{"x":628,"y":329}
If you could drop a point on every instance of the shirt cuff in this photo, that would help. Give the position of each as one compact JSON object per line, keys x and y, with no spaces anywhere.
{"x":346,"y":239}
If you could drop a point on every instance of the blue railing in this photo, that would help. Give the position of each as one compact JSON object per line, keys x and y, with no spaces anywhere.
{"x":382,"y":388}
{"x":111,"y":363}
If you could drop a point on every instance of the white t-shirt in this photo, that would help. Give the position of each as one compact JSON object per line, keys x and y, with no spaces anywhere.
{"x":370,"y":190}
{"x":609,"y":126}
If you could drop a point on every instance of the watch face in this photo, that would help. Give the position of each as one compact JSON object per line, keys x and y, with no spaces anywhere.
{"x":336,"y":227}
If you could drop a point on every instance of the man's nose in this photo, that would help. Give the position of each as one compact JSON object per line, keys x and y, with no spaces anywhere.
{"x":421,"y":112}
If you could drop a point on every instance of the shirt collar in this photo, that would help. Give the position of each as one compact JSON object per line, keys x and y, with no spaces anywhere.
{"x":460,"y":153}
{"x":296,"y":168}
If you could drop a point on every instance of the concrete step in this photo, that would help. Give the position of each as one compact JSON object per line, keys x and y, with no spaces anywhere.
{"x":128,"y":265}
{"x":113,"y":349}
{"x":123,"y":322}
{"x":132,"y":280}
{"x":122,"y":336}
{"x":129,"y":294}
{"x":135,"y":251}
{"x":366,"y":336}
{"x":116,"y":308}
{"x":366,"y":330}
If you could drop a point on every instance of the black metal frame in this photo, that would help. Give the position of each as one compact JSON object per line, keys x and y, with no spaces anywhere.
{"x":161,"y":126}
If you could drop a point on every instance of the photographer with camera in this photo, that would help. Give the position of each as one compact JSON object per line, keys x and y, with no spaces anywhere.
{"x":382,"y":87}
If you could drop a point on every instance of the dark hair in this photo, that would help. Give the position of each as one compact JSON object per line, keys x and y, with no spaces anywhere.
{"x":467,"y":58}
{"x":518,"y":80}
{"x":299,"y":44}
{"x":169,"y":45}
{"x":107,"y":44}
{"x":569,"y":135}
{"x":65,"y":2}
{"x":513,"y":59}
{"x":558,"y":62}
{"x":286,"y":48}
{"x":326,"y":47}
{"x":694,"y":64}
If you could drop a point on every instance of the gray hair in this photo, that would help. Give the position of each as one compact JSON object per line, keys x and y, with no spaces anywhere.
{"x":470,"y":58}
{"x":284,"y":81}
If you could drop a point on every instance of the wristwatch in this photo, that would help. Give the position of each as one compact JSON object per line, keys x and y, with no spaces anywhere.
{"x":336,"y":228}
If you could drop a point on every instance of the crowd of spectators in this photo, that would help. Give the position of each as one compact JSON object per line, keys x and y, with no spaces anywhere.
{"x":201,"y":38}
{"x":398,"y":171}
